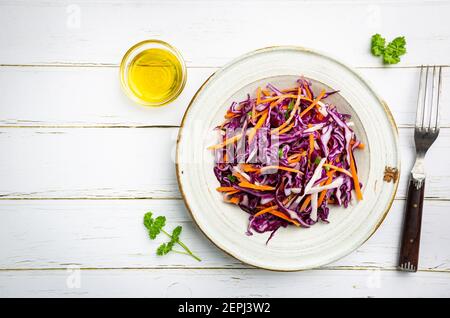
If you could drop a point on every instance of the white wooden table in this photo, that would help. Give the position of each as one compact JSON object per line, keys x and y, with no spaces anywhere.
{"x":80,"y":163}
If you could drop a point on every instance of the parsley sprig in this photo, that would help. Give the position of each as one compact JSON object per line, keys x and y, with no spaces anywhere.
{"x":155,"y":226}
{"x":390,"y":53}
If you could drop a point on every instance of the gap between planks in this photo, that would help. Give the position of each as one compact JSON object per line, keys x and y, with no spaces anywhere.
{"x":247,"y":268}
{"x":101,"y":65}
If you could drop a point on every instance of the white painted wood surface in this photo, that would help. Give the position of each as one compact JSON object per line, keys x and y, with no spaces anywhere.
{"x":81,"y":164}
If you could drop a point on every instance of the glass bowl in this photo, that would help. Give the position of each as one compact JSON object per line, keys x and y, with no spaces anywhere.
{"x":130,"y":56}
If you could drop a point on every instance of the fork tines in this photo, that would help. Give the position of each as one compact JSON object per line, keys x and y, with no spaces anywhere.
{"x":427,"y":117}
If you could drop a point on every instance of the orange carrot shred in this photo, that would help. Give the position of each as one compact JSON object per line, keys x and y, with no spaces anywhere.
{"x":270,"y":208}
{"x":284,"y":217}
{"x":305,"y":203}
{"x":225,"y":189}
{"x":234,"y":200}
{"x":314,"y":103}
{"x":294,"y":110}
{"x":246,"y":184}
{"x":324,"y":192}
{"x":355,"y":176}
{"x":311,"y":145}
{"x":258,"y":125}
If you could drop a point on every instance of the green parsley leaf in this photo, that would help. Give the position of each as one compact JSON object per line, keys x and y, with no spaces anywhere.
{"x":291,"y":105}
{"x":377,"y":45}
{"x":156,"y":227}
{"x":317,"y":160}
{"x":286,"y":115}
{"x":249,"y":113}
{"x":176,"y":233}
{"x":394,"y":50}
{"x":232,"y":178}
{"x":280,"y":152}
{"x":148,"y":220}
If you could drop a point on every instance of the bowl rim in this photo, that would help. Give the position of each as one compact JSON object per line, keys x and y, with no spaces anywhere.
{"x":306,"y":50}
{"x":124,"y":64}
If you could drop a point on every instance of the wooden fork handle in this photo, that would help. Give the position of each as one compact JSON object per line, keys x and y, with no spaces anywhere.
{"x":409,"y":252}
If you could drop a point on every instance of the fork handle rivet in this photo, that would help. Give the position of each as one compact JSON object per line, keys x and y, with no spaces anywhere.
{"x":415,"y":205}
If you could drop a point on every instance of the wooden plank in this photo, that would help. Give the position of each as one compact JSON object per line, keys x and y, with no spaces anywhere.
{"x":43,"y":234}
{"x":136,"y":163}
{"x":97,"y":32}
{"x":226,"y":283}
{"x":91,"y":96}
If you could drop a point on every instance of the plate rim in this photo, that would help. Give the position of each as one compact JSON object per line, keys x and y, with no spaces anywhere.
{"x":383,"y":103}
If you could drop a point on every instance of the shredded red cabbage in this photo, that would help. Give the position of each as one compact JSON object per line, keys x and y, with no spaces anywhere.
{"x":284,"y":156}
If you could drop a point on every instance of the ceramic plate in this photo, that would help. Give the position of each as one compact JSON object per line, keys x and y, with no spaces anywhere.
{"x":291,"y":248}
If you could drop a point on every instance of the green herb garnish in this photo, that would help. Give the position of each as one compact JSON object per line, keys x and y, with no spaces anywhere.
{"x":317,"y":160}
{"x":232,"y":178}
{"x":280,"y":152}
{"x":390,"y":53}
{"x":291,"y":105}
{"x":394,"y":50}
{"x":378,"y":44}
{"x":155,"y":226}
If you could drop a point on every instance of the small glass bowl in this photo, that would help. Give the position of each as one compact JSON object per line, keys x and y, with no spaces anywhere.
{"x":131,"y":54}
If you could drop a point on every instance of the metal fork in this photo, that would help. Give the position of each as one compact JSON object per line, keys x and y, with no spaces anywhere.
{"x":425,"y":133}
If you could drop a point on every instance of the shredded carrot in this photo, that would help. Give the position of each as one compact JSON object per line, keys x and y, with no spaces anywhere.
{"x":355,"y":176}
{"x":234,"y":200}
{"x":311,"y":144}
{"x":314,"y":103}
{"x":284,"y":217}
{"x":239,"y":176}
{"x":258,"y":125}
{"x":296,"y":157}
{"x":319,"y":116}
{"x":308,"y":92}
{"x":248,"y":168}
{"x":225,"y":157}
{"x":266,"y":92}
{"x":361,"y":146}
{"x":280,"y":168}
{"x":233,"y":192}
{"x":294,"y":110}
{"x":225,"y":189}
{"x":231,"y":115}
{"x":286,"y":129}
{"x":327,"y":165}
{"x":246,"y":184}
{"x":305,"y":203}
{"x":324,"y":192}
{"x":271,"y":99}
{"x":331,"y":201}
{"x":258,"y":95}
{"x":226,"y":142}
{"x":270,"y":208}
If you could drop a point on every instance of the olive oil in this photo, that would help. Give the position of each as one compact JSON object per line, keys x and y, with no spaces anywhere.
{"x":155,"y":75}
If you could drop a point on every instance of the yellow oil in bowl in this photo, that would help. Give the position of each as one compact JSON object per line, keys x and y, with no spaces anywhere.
{"x":153,"y":73}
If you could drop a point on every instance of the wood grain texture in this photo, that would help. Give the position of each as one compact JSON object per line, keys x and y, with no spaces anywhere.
{"x":48,"y":234}
{"x":136,"y":163}
{"x":91,"y":96}
{"x":212,"y":34}
{"x":56,"y":72}
{"x":222,"y":283}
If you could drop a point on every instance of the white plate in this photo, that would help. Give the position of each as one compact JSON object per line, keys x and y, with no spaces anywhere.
{"x":291,"y":248}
